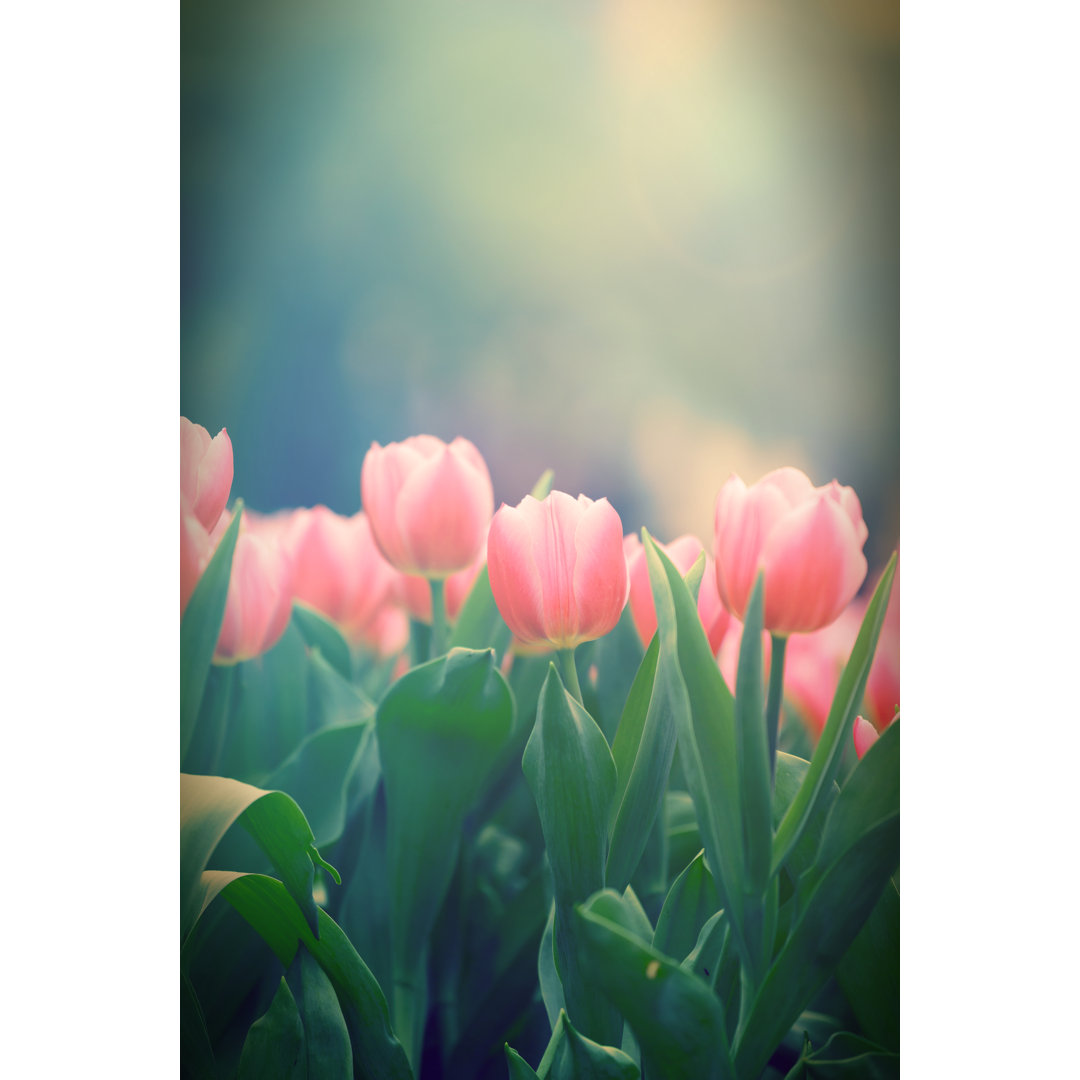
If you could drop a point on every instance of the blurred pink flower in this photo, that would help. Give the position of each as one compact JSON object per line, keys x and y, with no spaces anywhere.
{"x":864,"y":735}
{"x":206,"y":471}
{"x":429,"y":504}
{"x":807,"y":540}
{"x":259,"y":601}
{"x":557,"y":568}
{"x":683,"y":552}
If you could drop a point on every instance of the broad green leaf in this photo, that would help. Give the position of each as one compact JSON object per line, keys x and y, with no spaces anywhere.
{"x":571,"y":1056}
{"x":571,"y":774}
{"x":317,"y":776}
{"x":625,"y":911}
{"x":479,"y":624}
{"x":691,"y":902}
{"x":643,"y":750}
{"x":441,"y":728}
{"x":211,"y":730}
{"x":869,"y":973}
{"x":209,"y":805}
{"x":268,"y":711}
{"x":705,"y":957}
{"x":705,"y":720}
{"x":838,"y":727}
{"x":519,"y":1068}
{"x":333,"y":700}
{"x":683,"y":834}
{"x":327,"y":1049}
{"x":846,"y":1056}
{"x":274,"y":1048}
{"x":269,"y":909}
{"x":676,"y":1018}
{"x":199,"y":629}
{"x":320,"y":633}
{"x":860,"y":849}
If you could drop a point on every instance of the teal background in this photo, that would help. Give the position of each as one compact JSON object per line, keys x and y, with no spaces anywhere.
{"x":643,"y":243}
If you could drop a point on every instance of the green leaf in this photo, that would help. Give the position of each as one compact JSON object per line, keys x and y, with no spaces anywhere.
{"x":691,"y":902}
{"x":519,"y":1068}
{"x":846,"y":1056}
{"x":643,"y":751}
{"x":441,"y":728}
{"x":683,"y":834}
{"x":272,"y":912}
{"x":196,"y":1053}
{"x":571,"y":1056}
{"x":326,"y":1036}
{"x":551,"y":990}
{"x":676,"y":1018}
{"x":200,"y":627}
{"x":869,"y":973}
{"x":607,"y":668}
{"x":838,"y":727}
{"x":333,"y":700}
{"x":705,"y":721}
{"x":320,"y":633}
{"x":571,"y":774}
{"x":860,"y":849}
{"x":317,"y":776}
{"x":274,"y":1047}
{"x":209,"y":805}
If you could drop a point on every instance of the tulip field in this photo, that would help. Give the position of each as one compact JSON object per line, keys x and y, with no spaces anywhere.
{"x":527,"y":791}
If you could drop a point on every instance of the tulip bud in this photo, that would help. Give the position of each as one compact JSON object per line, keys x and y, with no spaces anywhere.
{"x":259,"y":601}
{"x":864,"y":735}
{"x":683,"y":552}
{"x":429,"y":504}
{"x":807,"y":540}
{"x":206,"y":471}
{"x":557,"y":569}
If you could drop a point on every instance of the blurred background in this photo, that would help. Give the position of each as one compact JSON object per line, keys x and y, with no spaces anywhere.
{"x":643,"y":242}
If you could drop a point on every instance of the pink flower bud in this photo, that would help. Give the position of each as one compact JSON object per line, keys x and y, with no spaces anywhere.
{"x":557,"y":569}
{"x":338,"y":569}
{"x":429,"y":504}
{"x":259,"y":601}
{"x":865,"y":736}
{"x":683,"y":552}
{"x":807,"y":540}
{"x":206,"y":471}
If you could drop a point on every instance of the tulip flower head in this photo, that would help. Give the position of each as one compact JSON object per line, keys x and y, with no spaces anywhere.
{"x":807,"y":540}
{"x":259,"y":601}
{"x":429,"y":503}
{"x":206,"y":471}
{"x":683,"y":552}
{"x":557,"y":569}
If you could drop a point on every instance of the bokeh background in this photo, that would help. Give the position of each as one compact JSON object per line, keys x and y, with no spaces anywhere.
{"x":643,"y":242}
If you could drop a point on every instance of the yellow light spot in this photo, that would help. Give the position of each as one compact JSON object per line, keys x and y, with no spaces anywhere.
{"x":652,"y":969}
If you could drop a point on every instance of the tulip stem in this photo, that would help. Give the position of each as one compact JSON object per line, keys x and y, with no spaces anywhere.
{"x":566,"y":659}
{"x":776,"y":695}
{"x":438,"y":618}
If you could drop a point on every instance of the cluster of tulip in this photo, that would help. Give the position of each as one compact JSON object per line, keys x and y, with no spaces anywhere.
{"x":560,"y":569}
{"x":375,"y":688}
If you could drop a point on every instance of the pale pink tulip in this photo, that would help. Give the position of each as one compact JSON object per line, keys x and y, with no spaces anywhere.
{"x":883,"y":683}
{"x":206,"y":471}
{"x":807,"y":540}
{"x":196,"y":548}
{"x":259,"y":601}
{"x":557,"y":568}
{"x":429,"y":504}
{"x":338,"y":569}
{"x":864,"y":735}
{"x":683,"y":552}
{"x":813,"y":664}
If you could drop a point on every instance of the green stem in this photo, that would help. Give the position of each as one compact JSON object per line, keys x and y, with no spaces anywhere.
{"x":438,"y":618}
{"x":776,"y":695}
{"x":569,"y":670}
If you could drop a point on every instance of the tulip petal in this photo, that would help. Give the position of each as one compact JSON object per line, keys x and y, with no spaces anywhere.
{"x":512,"y":570}
{"x":600,"y":580}
{"x":813,"y":565}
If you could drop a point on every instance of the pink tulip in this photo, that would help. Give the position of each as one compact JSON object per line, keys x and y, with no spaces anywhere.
{"x":683,"y":552}
{"x":813,"y":664}
{"x":259,"y":601}
{"x":864,"y":735}
{"x":338,"y":569}
{"x":807,"y":540}
{"x":416,"y":591}
{"x":557,"y":569}
{"x":429,"y":504}
{"x":883,"y":683}
{"x":196,"y":548}
{"x":206,"y":471}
